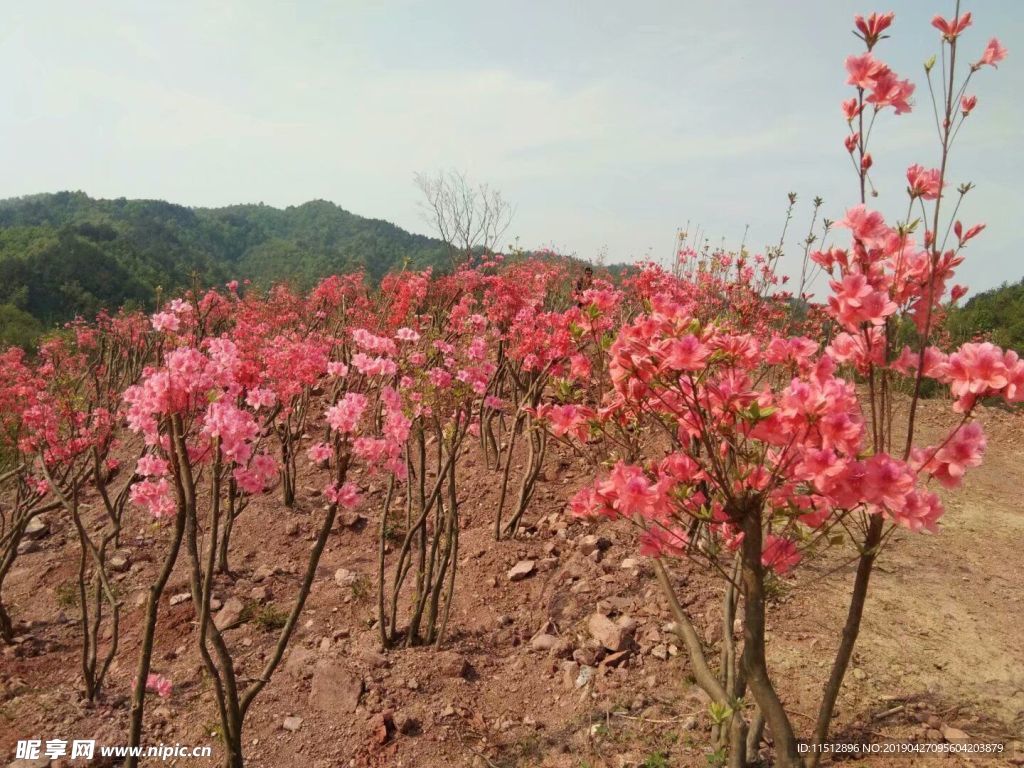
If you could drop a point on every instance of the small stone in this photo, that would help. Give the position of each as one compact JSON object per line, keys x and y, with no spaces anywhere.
{"x":562,"y":649}
{"x":27,"y":547}
{"x":451,"y":664}
{"x":585,"y":676}
{"x":371,"y":658}
{"x":180,"y":598}
{"x":229,"y":614}
{"x":351,"y":519}
{"x":292,"y":724}
{"x":292,"y":529}
{"x":382,"y":725}
{"x":588,"y":657}
{"x":630,"y":563}
{"x":119,"y":563}
{"x":660,"y":651}
{"x":215,"y":604}
{"x":344,"y":578}
{"x":521,"y":570}
{"x":954,"y":735}
{"x":613,"y":635}
{"x":37,"y":528}
{"x":859,"y":673}
{"x":260,"y":594}
{"x":335,"y":689}
{"x":587,"y":545}
{"x":543,"y":642}
{"x":614,"y":659}
{"x":300,"y":662}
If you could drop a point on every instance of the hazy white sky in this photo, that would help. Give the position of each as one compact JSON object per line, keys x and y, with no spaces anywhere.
{"x":610,"y":124}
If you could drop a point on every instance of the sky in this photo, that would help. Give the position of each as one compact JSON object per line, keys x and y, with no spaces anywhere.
{"x":610,"y":125}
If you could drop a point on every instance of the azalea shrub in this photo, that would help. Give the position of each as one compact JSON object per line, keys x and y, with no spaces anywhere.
{"x":773,"y":447}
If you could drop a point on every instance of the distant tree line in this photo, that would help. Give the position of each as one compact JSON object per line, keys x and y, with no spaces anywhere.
{"x":996,"y":314}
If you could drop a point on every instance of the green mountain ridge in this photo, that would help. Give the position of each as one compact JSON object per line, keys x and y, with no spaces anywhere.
{"x":65,"y":254}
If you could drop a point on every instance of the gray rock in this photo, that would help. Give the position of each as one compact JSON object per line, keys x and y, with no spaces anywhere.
{"x":178,"y":599}
{"x":585,"y":676}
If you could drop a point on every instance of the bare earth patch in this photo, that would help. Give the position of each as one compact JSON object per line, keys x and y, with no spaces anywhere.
{"x":521,"y":680}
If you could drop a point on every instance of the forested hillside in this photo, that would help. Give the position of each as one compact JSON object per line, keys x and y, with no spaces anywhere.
{"x":997,"y":313}
{"x":66,"y":253}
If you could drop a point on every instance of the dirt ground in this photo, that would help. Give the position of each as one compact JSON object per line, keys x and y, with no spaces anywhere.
{"x":941,"y":646}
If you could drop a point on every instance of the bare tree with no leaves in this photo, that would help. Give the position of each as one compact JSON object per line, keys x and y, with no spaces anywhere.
{"x":466,"y":216}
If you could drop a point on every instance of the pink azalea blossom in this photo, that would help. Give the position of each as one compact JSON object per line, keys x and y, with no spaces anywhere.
{"x":344,"y":415}
{"x":347,"y":495}
{"x":319,"y":452}
{"x":159,"y":685}
{"x":154,"y":496}
{"x":863,"y":70}
{"x":151,"y":466}
{"x":166,"y":321}
{"x":871,"y":28}
{"x":923,"y":183}
{"x":994,"y":53}
{"x":779,"y":554}
{"x":951,"y":29}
